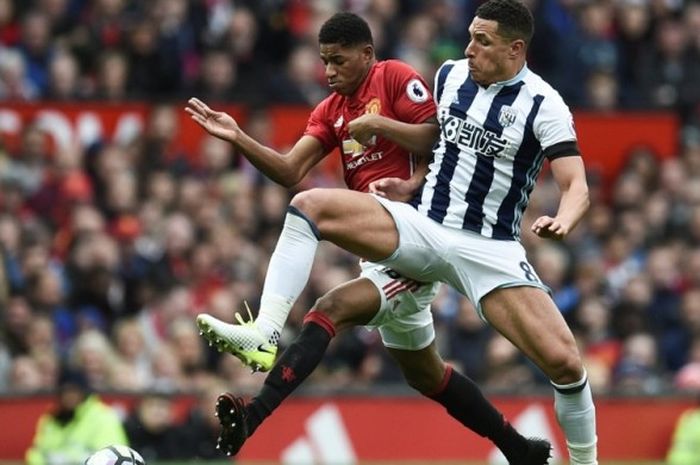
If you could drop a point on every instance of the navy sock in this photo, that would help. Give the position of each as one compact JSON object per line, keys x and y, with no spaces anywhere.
{"x":465,"y":402}
{"x":295,"y":365}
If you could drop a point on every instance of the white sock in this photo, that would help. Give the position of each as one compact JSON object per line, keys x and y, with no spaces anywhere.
{"x":287,"y":273}
{"x":573,"y":404}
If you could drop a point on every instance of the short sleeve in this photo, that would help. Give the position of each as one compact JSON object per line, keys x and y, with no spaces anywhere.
{"x":411,"y":98}
{"x":554,"y":122}
{"x":441,"y":78}
{"x":318,"y":126}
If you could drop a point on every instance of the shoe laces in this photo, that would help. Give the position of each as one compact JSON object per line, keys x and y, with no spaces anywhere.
{"x":250,"y":322}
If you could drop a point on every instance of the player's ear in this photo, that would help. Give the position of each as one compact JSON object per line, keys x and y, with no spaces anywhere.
{"x":517,"y":47}
{"x":368,"y":52}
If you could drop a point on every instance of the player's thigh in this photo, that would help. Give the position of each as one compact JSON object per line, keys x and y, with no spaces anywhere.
{"x":528,"y":317}
{"x":352,"y":220}
{"x":350,"y":304}
{"x":423,"y":369}
{"x":424,"y":250}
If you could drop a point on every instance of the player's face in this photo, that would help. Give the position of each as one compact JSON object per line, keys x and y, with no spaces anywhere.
{"x":490,"y":54}
{"x":346,"y":67}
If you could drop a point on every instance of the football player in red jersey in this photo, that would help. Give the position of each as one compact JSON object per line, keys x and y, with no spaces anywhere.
{"x":380,"y":116}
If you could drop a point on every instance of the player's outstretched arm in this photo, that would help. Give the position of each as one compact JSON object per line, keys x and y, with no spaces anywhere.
{"x":216,"y":123}
{"x":570,"y":175}
{"x":286,"y":169}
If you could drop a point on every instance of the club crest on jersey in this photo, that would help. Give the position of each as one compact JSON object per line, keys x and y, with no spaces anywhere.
{"x":416,"y":91}
{"x":373,"y":107}
{"x":507,"y":115}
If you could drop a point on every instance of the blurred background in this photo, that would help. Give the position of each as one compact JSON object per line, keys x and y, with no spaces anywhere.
{"x":120,"y":220}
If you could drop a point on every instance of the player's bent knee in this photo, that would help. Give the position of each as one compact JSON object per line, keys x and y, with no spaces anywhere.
{"x":331,"y":306}
{"x":565,"y":367}
{"x":314,"y":203}
{"x":306,"y":202}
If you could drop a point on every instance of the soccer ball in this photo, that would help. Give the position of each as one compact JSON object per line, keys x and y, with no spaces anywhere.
{"x":115,"y":455}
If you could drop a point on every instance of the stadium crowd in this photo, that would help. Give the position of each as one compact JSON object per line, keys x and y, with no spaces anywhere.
{"x":109,"y":251}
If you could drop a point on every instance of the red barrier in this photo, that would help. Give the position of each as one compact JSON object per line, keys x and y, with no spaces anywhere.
{"x":403,"y":428}
{"x":605,"y":139}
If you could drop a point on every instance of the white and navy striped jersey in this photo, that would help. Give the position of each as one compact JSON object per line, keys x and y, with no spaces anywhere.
{"x":493,"y":142}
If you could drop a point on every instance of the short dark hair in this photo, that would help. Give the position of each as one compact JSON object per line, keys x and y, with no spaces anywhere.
{"x":345,"y":29}
{"x":514,"y":19}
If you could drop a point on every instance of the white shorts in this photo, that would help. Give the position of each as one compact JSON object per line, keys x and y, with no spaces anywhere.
{"x":471,"y":263}
{"x":404,"y":319}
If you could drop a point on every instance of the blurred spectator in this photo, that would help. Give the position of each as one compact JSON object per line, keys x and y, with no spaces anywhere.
{"x":595,"y":48}
{"x":668,"y":70}
{"x":242,"y":41}
{"x":27,"y":168}
{"x":638,"y":371}
{"x":663,"y":266}
{"x":601,"y":349}
{"x":14,"y":82}
{"x":9,"y":27}
{"x":634,"y":30}
{"x":166,"y":372}
{"x":152,"y":431}
{"x":37,"y":48}
{"x":687,"y":378}
{"x":677,"y":342}
{"x":200,"y":429}
{"x":302,"y":81}
{"x":218,"y":80}
{"x":188,"y":346}
{"x":157,"y":148}
{"x":417,"y":39}
{"x":148,"y":64}
{"x":93,"y":354}
{"x":112,"y":81}
{"x":468,"y":336}
{"x":79,"y":425}
{"x":64,"y":78}
{"x":602,"y":92}
{"x":17,"y":318}
{"x":24,"y":376}
{"x":131,"y":349}
{"x":553,"y":266}
{"x":92,"y":270}
{"x":503,"y":367}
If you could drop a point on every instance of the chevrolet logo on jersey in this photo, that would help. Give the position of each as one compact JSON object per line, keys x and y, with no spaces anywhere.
{"x":354,"y":148}
{"x":468,"y":136}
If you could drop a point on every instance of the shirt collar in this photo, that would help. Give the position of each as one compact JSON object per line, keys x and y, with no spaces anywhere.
{"x":517,"y":78}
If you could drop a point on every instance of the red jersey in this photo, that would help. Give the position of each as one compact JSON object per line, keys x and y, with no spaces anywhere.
{"x":392,"y":89}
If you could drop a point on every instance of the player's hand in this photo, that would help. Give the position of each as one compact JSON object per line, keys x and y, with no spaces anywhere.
{"x":550,"y":228}
{"x":363,"y":129}
{"x":216,"y":123}
{"x":397,"y":189}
